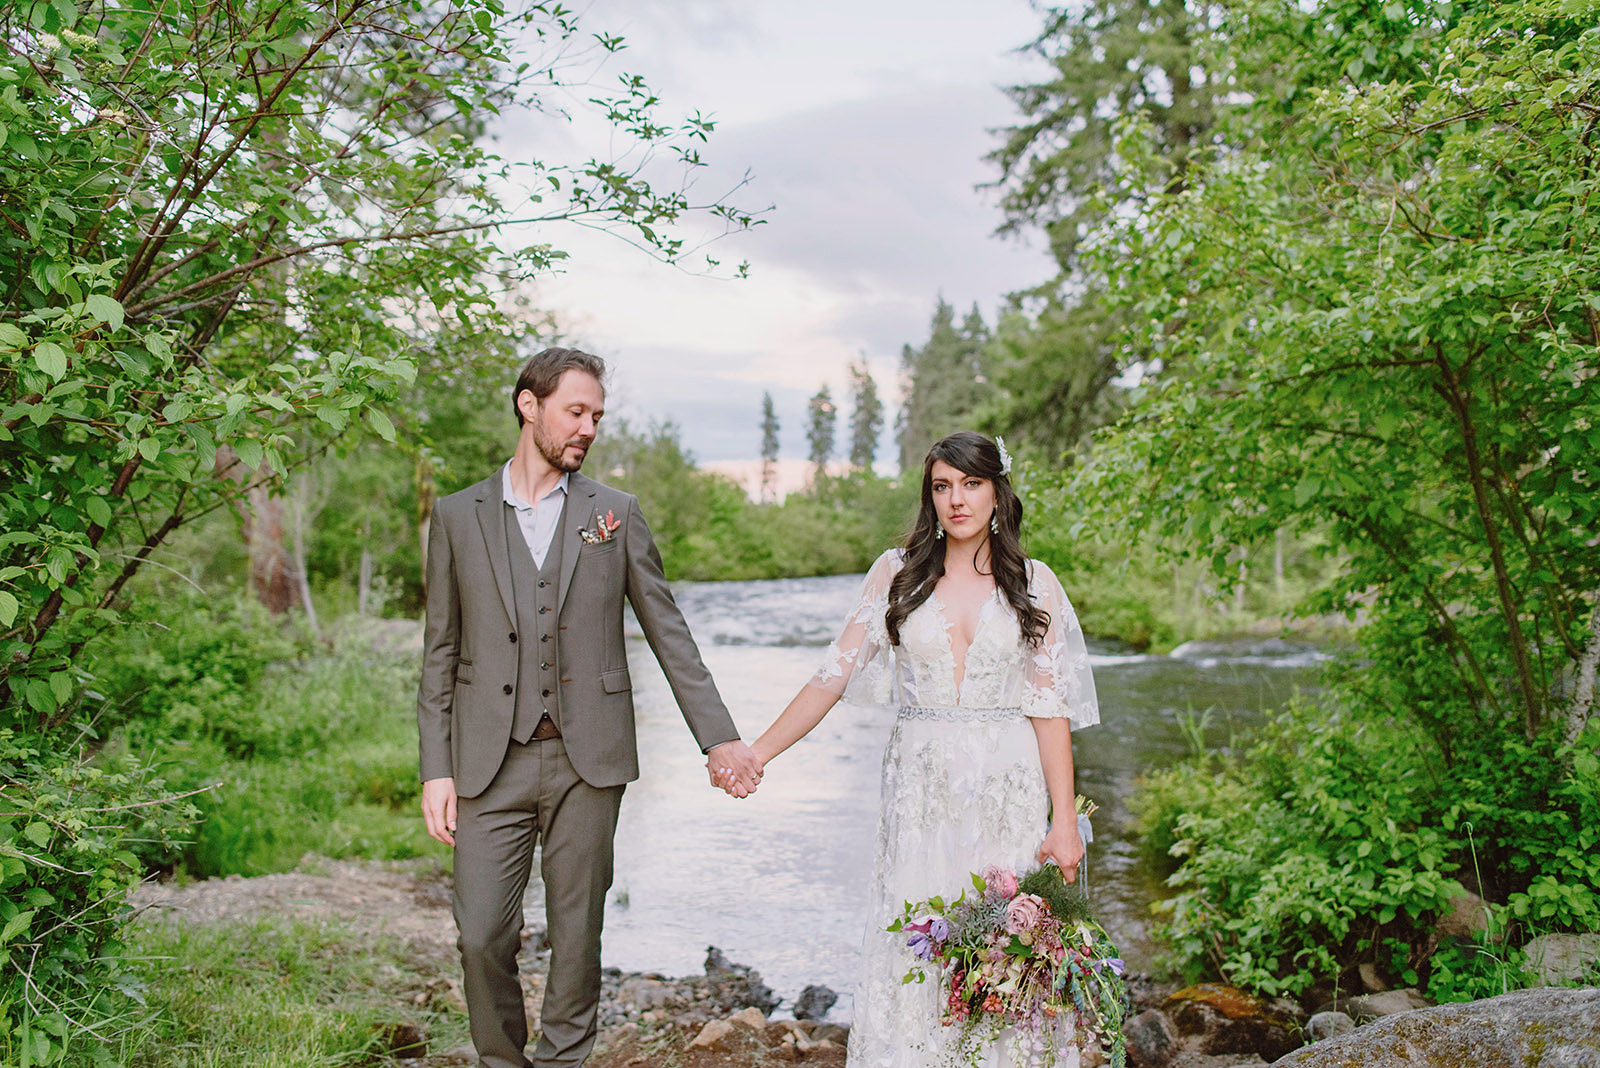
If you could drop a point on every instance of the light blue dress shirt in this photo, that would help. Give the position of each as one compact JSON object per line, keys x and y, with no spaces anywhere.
{"x":537,"y":521}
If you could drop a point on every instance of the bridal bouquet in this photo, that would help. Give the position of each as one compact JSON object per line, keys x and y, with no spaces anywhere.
{"x":1020,"y":952}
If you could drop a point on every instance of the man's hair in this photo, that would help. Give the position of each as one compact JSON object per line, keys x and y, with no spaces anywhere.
{"x":543,"y":371}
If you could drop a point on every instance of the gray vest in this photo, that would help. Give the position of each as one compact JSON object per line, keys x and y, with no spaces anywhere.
{"x":534,"y":591}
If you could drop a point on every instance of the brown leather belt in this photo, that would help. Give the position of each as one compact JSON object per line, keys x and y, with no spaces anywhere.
{"x":546,"y":729}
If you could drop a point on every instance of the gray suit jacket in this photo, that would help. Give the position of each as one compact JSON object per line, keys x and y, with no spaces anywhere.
{"x":470,"y":659}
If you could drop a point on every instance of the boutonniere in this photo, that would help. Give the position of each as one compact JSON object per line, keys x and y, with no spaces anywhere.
{"x":603,"y":529}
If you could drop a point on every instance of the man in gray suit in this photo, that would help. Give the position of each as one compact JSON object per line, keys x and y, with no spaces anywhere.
{"x":525,"y":709}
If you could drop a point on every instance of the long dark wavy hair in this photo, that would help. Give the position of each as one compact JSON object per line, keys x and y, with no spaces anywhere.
{"x":970,"y":453}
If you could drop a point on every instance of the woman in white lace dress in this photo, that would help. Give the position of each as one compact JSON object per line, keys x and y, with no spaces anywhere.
{"x":979,"y":649}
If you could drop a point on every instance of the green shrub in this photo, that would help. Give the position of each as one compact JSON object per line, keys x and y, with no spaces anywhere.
{"x":67,"y":832}
{"x":1339,"y":838}
{"x":190,"y":666}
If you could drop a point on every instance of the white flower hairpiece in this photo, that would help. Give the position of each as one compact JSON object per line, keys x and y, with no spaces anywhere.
{"x":1005,"y":457}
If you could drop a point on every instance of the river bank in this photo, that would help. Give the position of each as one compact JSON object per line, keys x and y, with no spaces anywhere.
{"x":726,"y":1017}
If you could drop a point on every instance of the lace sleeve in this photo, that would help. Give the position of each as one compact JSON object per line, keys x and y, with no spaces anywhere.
{"x":859,"y":665}
{"x":1059,"y":682}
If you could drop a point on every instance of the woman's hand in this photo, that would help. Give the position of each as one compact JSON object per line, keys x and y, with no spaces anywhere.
{"x":1063,"y":845}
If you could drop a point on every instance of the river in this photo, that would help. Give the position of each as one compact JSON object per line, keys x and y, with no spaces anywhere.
{"x":778,"y":880}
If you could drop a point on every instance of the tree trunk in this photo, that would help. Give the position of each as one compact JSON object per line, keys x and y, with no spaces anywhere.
{"x":270,"y":577}
{"x":302,"y":580}
{"x":1582,"y":706}
{"x":364,"y":583}
{"x":425,"y":491}
{"x":1277,"y":561}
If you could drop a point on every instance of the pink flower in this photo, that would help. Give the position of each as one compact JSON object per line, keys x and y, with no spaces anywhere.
{"x":1024,"y":913}
{"x":1000,"y":882}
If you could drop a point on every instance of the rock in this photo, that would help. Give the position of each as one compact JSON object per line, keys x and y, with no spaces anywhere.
{"x":1563,"y":958}
{"x":1466,"y":916}
{"x":1324,"y":1025}
{"x":1387,"y":1003}
{"x":1547,"y":1027}
{"x":839,"y":1036}
{"x":641,"y":993}
{"x":751,"y":1019}
{"x":713,"y":1036}
{"x":814,"y":1003}
{"x":1152,"y":1040}
{"x":1371,"y":981}
{"x":735,"y":986}
{"x":1225,"y":1019}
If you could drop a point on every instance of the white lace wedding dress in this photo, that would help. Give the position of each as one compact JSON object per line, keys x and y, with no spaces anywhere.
{"x":962,"y":783}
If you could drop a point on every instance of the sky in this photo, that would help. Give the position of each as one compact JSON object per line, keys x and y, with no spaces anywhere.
{"x":863,"y":125}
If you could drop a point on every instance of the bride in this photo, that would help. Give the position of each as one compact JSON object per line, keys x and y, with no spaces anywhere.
{"x":979,"y":649}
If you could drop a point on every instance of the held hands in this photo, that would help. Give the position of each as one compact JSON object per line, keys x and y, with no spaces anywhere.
{"x":439,"y":809}
{"x":733,"y":768}
{"x":1064,"y":845}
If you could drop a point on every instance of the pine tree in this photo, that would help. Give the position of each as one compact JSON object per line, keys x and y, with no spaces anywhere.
{"x":769,"y":450}
{"x":866,"y":417}
{"x":824,"y":424}
{"x":944,"y":383}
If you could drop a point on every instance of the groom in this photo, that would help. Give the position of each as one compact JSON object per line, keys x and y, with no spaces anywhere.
{"x":525,"y":709}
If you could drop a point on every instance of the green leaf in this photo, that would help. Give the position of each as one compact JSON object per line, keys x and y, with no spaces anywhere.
{"x":381,"y":424}
{"x":51,"y":358}
{"x":18,"y":923}
{"x":249,"y":450}
{"x":99,"y":511}
{"x":149,"y":448}
{"x":12,"y":337}
{"x":38,"y":832}
{"x":8,"y":609}
{"x":106,"y":309}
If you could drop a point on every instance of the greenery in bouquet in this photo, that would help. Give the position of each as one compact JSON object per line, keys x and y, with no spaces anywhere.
{"x":1022,"y":953}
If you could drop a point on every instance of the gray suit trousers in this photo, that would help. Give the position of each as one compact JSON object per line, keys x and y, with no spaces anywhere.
{"x":536,"y":796}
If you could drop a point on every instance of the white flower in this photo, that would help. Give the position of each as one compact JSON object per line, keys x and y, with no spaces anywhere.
{"x":1005,"y":457}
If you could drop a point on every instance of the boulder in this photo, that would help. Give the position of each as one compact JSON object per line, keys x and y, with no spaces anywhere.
{"x":1152,"y":1040}
{"x":1388,"y":1003}
{"x":1548,"y":1027}
{"x":1563,"y":958}
{"x":1324,"y":1025}
{"x":814,"y":1002}
{"x":1225,"y":1019}
{"x":1371,"y":981}
{"x":1466,"y":916}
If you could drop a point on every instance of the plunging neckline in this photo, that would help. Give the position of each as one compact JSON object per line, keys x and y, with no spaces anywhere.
{"x":947,"y":625}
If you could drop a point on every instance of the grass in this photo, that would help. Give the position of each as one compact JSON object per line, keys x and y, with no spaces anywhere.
{"x":319,"y":758}
{"x":279,"y":994}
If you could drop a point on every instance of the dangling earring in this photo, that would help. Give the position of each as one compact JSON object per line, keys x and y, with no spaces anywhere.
{"x":938,"y":531}
{"x":994,"y":522}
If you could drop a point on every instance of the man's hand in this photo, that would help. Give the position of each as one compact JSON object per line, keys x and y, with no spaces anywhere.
{"x":439,"y":809}
{"x":734,"y":768}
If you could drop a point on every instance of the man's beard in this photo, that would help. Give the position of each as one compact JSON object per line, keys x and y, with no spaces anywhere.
{"x":555,"y":453}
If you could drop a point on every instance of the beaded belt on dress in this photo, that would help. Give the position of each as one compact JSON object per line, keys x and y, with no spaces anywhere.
{"x":963,"y":715}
